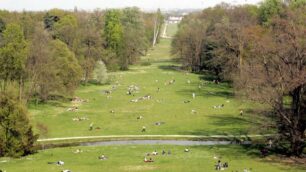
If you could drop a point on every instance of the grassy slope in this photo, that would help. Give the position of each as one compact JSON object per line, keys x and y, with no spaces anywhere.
{"x":167,"y":105}
{"x":172,"y":110}
{"x":130,"y":158}
{"x":171,"y":29}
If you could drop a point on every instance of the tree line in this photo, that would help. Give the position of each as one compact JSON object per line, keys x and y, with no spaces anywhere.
{"x":45,"y":55}
{"x":261,"y":50}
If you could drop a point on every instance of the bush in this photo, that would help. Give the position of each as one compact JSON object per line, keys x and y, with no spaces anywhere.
{"x":100,"y":73}
{"x":16,"y":135}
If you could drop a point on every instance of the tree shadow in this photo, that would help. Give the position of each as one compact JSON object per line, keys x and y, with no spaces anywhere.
{"x":170,"y":67}
{"x":223,"y":121}
{"x":205,"y":93}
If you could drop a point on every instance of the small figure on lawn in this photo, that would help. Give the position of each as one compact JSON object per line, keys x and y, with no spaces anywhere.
{"x":91,"y":126}
{"x":241,"y":112}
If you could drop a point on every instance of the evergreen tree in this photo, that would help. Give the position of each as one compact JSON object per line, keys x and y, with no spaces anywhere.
{"x":16,"y":135}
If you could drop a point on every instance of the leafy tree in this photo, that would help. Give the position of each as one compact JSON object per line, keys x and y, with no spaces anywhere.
{"x":268,"y":9}
{"x":52,"y":68}
{"x":40,"y":66}
{"x":134,"y":41}
{"x":17,"y":138}
{"x":65,"y":29}
{"x":113,"y":31}
{"x":50,"y":20}
{"x":278,"y":70}
{"x":13,"y":54}
{"x":67,"y":67}
{"x":89,"y":46}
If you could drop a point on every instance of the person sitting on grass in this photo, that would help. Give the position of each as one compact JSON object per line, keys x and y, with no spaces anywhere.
{"x":78,"y":151}
{"x":163,"y":152}
{"x":241,"y":112}
{"x":225,"y":165}
{"x":102,"y":157}
{"x":143,"y":129}
{"x":218,"y":166}
{"x":155,"y":153}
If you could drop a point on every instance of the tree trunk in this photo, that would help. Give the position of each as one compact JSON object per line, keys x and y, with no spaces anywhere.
{"x":20,"y":88}
{"x":297,"y":143}
{"x":298,"y":121}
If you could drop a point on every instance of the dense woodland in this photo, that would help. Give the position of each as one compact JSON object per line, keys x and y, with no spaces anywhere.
{"x":261,"y":50}
{"x":47,"y":55}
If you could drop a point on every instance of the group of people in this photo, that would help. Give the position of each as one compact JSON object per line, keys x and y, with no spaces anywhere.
{"x":218,"y":106}
{"x":220,"y":166}
{"x":80,"y":119}
{"x":154,"y":153}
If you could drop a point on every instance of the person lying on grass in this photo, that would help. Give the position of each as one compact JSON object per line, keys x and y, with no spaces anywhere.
{"x":148,"y":160}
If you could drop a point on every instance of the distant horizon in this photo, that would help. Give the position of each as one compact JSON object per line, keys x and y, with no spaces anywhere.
{"x":145,"y":5}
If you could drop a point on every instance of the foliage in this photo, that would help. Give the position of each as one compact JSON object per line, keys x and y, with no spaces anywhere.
{"x":268,"y":9}
{"x":253,"y":49}
{"x":13,"y":54}
{"x":17,"y":137}
{"x":100,"y":73}
{"x":67,"y":68}
{"x":2,"y":25}
{"x":65,"y":29}
{"x":134,"y":42}
{"x":113,"y":31}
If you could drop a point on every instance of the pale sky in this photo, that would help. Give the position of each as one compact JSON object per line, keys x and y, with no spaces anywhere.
{"x":37,"y":5}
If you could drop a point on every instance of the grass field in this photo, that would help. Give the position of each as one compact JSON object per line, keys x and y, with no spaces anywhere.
{"x":172,"y":29}
{"x":166,"y":106}
{"x":130,"y":158}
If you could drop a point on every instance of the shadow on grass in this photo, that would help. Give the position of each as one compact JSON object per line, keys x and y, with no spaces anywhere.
{"x":205,"y":93}
{"x":170,"y":67}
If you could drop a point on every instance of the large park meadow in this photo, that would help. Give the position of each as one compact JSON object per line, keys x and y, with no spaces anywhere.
{"x":157,"y":114}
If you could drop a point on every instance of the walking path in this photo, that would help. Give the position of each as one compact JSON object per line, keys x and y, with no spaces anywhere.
{"x":168,"y":137}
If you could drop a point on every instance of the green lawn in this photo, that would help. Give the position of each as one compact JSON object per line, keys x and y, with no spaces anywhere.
{"x":172,"y":29}
{"x":167,"y":105}
{"x":130,"y":158}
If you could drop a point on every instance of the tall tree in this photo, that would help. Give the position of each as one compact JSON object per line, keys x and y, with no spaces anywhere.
{"x":90,"y":44}
{"x":158,"y":21}
{"x":40,"y":66}
{"x":276,"y":69}
{"x":134,"y":40}
{"x":13,"y":55}
{"x":113,"y":30}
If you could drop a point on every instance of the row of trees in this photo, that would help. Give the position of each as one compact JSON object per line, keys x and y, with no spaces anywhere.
{"x":262,"y":50}
{"x":48,"y":54}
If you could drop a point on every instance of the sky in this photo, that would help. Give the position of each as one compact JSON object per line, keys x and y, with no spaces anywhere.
{"x":38,"y":5}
